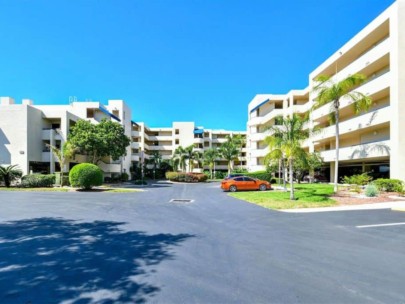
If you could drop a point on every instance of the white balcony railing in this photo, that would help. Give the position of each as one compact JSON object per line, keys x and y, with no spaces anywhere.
{"x":363,"y":151}
{"x":259,"y":120}
{"x":135,"y":157}
{"x":46,"y":157}
{"x":135,"y":145}
{"x":110,"y":168}
{"x":371,"y":87}
{"x":259,"y":152}
{"x":360,"y":122}
{"x":364,"y":60}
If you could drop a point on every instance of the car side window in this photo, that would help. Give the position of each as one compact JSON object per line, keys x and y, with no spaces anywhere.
{"x":248,"y":179}
{"x":238,"y":179}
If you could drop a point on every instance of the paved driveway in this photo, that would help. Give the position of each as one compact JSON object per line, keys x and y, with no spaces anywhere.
{"x":140,"y":247}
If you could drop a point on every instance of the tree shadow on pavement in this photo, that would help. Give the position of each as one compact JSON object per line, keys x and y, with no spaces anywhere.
{"x":54,"y":260}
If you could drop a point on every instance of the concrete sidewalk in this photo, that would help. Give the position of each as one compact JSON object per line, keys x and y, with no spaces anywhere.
{"x":388,"y":205}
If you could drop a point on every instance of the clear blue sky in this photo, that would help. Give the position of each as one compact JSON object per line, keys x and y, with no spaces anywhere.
{"x":171,"y":60}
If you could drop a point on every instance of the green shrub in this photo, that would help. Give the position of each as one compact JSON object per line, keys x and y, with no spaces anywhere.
{"x":239,"y":170}
{"x":85,"y":176}
{"x":220,"y":174}
{"x":263,"y":175}
{"x":371,"y":191}
{"x":357,"y":179}
{"x":124,"y":177}
{"x":389,"y":185}
{"x":37,"y":180}
{"x":186,"y":177}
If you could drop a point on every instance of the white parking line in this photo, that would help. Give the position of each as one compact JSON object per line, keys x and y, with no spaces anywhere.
{"x":381,"y":225}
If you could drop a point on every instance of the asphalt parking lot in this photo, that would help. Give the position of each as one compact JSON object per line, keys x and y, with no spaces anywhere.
{"x":157,"y":247}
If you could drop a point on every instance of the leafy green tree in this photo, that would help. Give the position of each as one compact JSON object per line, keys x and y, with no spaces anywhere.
{"x":9,"y":174}
{"x":332,"y":92}
{"x":286,"y":141}
{"x":311,"y":162}
{"x":229,"y":150}
{"x":63,"y":156}
{"x":210,"y":156}
{"x":105,"y":139}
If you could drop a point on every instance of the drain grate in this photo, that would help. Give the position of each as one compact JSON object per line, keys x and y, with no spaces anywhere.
{"x":180,"y":200}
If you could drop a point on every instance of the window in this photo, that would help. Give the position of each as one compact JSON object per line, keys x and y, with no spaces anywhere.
{"x":90,"y":113}
{"x":248,"y":179}
{"x":238,"y":179}
{"x":177,"y":141}
{"x":176,"y":131}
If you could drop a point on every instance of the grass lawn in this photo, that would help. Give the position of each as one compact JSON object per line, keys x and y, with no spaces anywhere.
{"x":307,"y":196}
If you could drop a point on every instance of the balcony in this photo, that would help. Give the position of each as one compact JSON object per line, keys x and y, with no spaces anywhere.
{"x":360,"y":122}
{"x":371,"y":87}
{"x":135,"y":134}
{"x":110,"y":168}
{"x":374,"y":54}
{"x":198,"y":140}
{"x":46,"y":134}
{"x":135,"y":145}
{"x":259,"y":152}
{"x":161,"y":148}
{"x":160,"y":138}
{"x":260,"y":120}
{"x":135,"y":158}
{"x":46,"y":156}
{"x":257,"y":136}
{"x":363,"y":151}
{"x":219,"y":140}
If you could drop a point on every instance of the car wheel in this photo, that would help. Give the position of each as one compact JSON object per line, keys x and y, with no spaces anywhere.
{"x":262,"y":187}
{"x":232,"y":188}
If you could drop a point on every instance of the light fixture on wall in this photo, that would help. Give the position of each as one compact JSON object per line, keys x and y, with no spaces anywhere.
{"x":375,"y":132}
{"x":22,"y":152}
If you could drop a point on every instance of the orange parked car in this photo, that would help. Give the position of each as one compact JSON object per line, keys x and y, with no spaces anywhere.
{"x":244,"y":183}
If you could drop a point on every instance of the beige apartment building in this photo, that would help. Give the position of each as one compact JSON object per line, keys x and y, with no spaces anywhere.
{"x":369,"y":142}
{"x":26,"y":130}
{"x":146,"y":140}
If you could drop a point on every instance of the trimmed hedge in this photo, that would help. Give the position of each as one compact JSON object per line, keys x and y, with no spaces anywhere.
{"x":263,"y":175}
{"x":37,"y":180}
{"x":85,"y":176}
{"x":389,"y":185}
{"x":186,"y":177}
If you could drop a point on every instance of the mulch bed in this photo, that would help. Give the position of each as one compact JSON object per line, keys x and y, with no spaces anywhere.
{"x":345,"y":197}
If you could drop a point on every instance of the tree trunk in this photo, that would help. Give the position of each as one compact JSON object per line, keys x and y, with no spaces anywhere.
{"x":284,"y":179}
{"x":335,"y":189}
{"x":6,"y":181}
{"x":291,"y":181}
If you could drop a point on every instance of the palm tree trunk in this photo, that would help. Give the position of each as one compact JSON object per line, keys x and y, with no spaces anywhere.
{"x":284,"y":179}
{"x":291,"y":181}
{"x":335,"y":189}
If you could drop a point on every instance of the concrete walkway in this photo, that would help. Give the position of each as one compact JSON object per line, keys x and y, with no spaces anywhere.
{"x":387,"y":205}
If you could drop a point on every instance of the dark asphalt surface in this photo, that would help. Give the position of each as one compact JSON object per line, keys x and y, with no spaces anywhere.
{"x":139,"y":247}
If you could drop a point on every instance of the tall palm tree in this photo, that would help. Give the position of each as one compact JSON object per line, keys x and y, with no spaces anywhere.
{"x":286,"y":140}
{"x":210,"y":155}
{"x":332,"y":92}
{"x":240,"y":141}
{"x":156,"y":159}
{"x":9,"y":174}
{"x":229,"y":150}
{"x":179,"y":158}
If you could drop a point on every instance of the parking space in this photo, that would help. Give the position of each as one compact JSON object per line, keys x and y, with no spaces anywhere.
{"x":154,"y":246}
